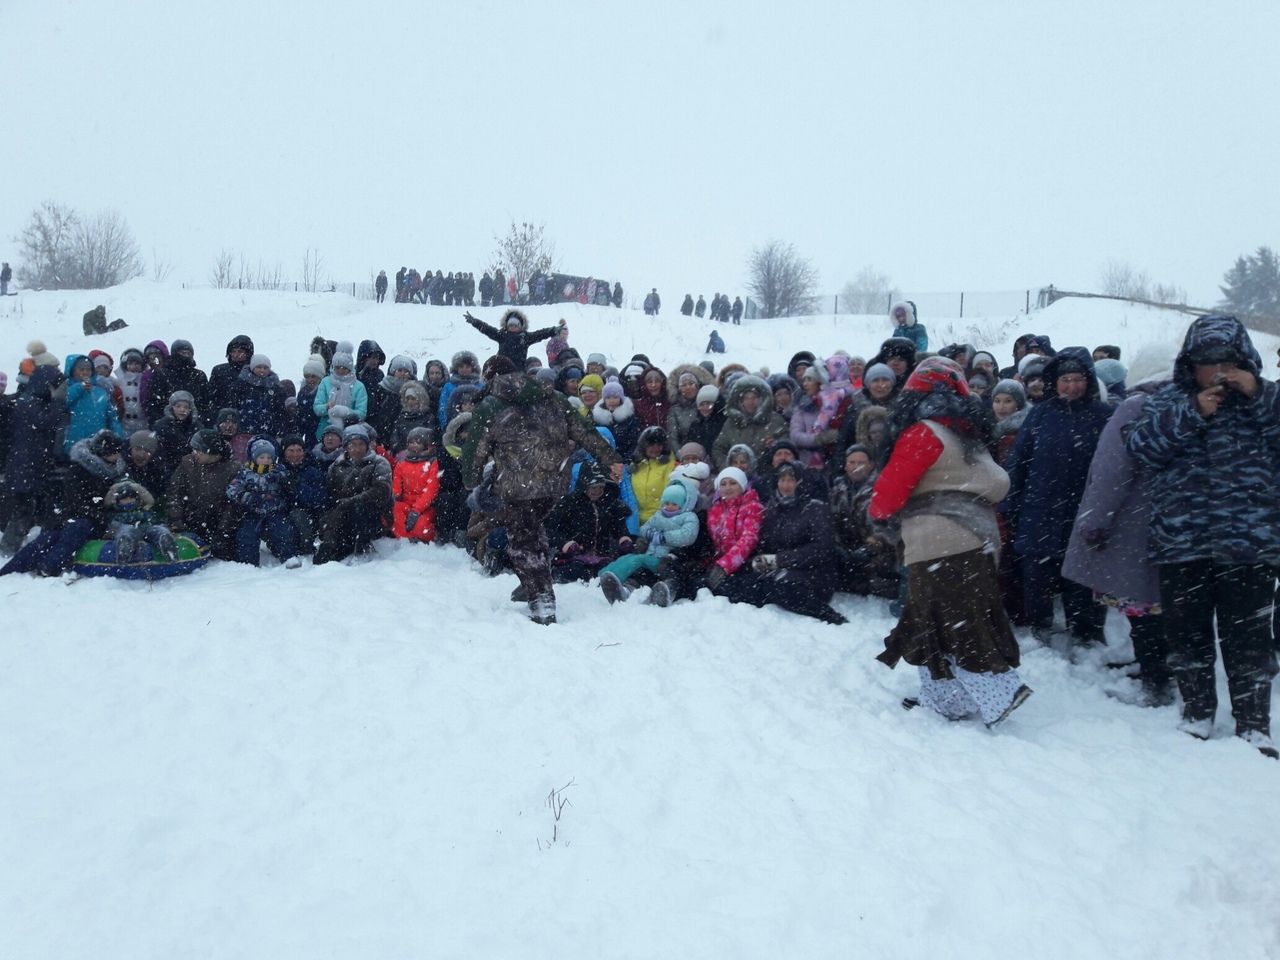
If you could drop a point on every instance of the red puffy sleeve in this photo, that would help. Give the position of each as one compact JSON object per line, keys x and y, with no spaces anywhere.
{"x":917,"y":449}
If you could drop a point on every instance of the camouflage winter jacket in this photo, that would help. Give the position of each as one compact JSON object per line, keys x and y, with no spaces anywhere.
{"x":530,"y":432}
{"x":1212,"y":480}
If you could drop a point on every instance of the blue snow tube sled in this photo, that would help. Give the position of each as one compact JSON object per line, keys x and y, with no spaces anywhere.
{"x":97,"y":558}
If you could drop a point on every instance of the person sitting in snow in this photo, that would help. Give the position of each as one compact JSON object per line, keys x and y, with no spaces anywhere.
{"x":174,"y":430}
{"x":131,"y":512}
{"x":143,"y":464}
{"x":79,"y":514}
{"x":415,"y":481}
{"x":196,"y":502}
{"x":360,"y":490}
{"x":308,"y":494}
{"x":673,"y":526}
{"x":263,"y":493}
{"x":588,"y":527}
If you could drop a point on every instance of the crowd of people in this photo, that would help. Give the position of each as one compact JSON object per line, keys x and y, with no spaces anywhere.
{"x":971,"y":498}
{"x":722,"y":310}
{"x":459,"y":289}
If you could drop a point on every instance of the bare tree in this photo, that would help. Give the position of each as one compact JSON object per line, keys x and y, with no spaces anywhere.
{"x":1120,"y":279}
{"x":1169,"y":293}
{"x":45,"y":246}
{"x":160,"y":267}
{"x":270,"y":277}
{"x":870,"y":292}
{"x":104,"y":252}
{"x":782,"y":281}
{"x":523,"y":250}
{"x":222,"y":273}
{"x":312,"y":264}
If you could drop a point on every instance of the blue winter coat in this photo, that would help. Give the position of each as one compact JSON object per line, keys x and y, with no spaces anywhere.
{"x":36,"y":416}
{"x":1049,"y":465}
{"x":1212,"y":481}
{"x":260,"y":493}
{"x":91,"y":408}
{"x":359,"y":402}
{"x":916,"y":333}
{"x":308,"y":489}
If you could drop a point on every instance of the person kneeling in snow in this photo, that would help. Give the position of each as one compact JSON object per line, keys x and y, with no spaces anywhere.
{"x":943,"y":484}
{"x":133,"y":524}
{"x":415,"y":481}
{"x":360,"y":486}
{"x":262,"y":491}
{"x":672,"y":527}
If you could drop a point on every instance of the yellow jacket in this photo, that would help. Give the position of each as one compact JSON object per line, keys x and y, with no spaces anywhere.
{"x":648,"y":480}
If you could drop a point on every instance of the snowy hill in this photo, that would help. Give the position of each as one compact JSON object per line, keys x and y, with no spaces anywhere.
{"x":369,"y":760}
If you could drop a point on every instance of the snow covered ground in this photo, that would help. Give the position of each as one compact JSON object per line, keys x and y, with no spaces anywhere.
{"x":385,"y":759}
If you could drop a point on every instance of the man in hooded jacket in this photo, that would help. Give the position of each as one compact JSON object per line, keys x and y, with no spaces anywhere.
{"x":1210,"y":443}
{"x":223,"y":377}
{"x":529,"y":431}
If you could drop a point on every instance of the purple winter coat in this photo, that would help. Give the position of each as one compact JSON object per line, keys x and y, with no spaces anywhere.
{"x":805,"y":411}
{"x":1115,"y":501}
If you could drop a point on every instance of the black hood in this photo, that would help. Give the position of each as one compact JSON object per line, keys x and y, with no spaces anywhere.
{"x":242,"y":341}
{"x":1071,"y":357}
{"x":369,"y":348}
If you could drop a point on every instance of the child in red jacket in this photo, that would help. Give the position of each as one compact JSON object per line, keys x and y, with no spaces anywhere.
{"x":415,"y":480}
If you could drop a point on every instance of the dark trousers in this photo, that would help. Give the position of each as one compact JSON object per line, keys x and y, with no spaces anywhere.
{"x":275,"y":528}
{"x":53,"y":550}
{"x":797,"y":594}
{"x":528,"y":550}
{"x":346,"y":530}
{"x":1150,"y":650}
{"x":1041,"y":580}
{"x":1240,"y":597}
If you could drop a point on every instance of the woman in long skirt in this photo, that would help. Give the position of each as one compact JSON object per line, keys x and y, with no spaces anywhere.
{"x":942,"y":484}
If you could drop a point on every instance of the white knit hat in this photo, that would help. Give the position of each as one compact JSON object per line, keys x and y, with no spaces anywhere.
{"x":733,"y":473}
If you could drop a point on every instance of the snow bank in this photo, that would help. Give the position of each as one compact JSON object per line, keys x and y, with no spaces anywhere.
{"x":356,"y":760}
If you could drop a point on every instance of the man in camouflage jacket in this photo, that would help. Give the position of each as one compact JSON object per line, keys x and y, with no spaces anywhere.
{"x":1211,"y":444}
{"x":530,"y":431}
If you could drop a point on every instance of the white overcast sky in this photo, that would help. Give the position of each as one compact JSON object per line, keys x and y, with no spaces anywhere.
{"x":975,"y":146}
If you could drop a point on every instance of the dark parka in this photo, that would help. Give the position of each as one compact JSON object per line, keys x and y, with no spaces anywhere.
{"x":513,"y":346}
{"x":372,"y":376}
{"x":1049,"y":465}
{"x":36,"y":418}
{"x":183,"y":374}
{"x":530,"y":433}
{"x":259,"y":403}
{"x":1212,"y":480}
{"x":366,"y":482}
{"x":595,"y":525}
{"x":222,"y":380}
{"x":800,"y":533}
{"x":88,"y":479}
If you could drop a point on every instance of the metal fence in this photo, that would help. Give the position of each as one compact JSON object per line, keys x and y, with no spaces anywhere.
{"x":359,"y":289}
{"x":958,"y":303}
